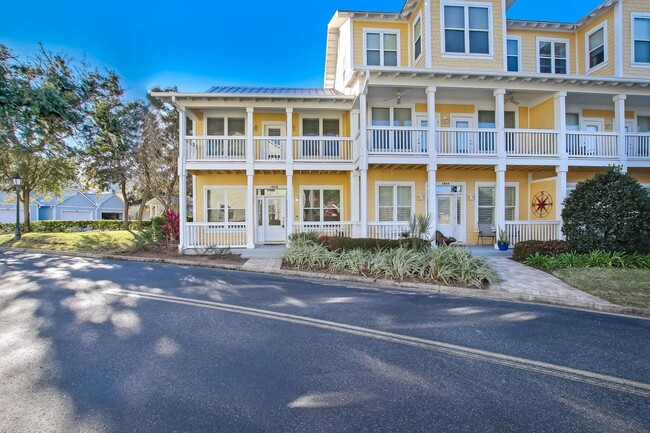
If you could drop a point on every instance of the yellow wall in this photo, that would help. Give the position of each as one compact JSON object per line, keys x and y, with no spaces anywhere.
{"x":403,"y":29}
{"x":630,"y":6}
{"x":542,"y":115}
{"x":385,"y":175}
{"x":605,"y":71}
{"x":529,"y":48}
{"x":549,"y":187}
{"x":524,"y":117}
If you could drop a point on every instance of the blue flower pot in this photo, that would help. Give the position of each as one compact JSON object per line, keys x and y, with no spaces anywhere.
{"x":503,"y":246}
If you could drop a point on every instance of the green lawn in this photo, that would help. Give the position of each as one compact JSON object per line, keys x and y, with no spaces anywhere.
{"x":86,"y":242}
{"x":629,"y":287}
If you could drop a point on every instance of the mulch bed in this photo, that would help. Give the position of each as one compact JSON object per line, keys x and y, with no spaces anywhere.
{"x":164,"y":252}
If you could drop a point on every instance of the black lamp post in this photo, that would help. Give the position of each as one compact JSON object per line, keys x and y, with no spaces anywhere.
{"x":18,"y":181}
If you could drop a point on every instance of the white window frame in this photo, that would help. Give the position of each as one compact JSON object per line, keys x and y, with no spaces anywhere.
{"x":338,"y":188}
{"x":414,"y":38}
{"x":633,"y":16}
{"x":519,"y":62}
{"x":225,"y":117}
{"x":554,"y":41}
{"x":225,"y":189}
{"x":320,"y":117}
{"x":494,"y":185}
{"x":605,"y":62}
{"x":394,"y":184}
{"x":381,"y":32}
{"x":466,"y":5}
{"x":391,"y":109}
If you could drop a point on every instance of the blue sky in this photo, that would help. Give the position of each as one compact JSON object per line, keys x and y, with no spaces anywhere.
{"x":195,"y":44}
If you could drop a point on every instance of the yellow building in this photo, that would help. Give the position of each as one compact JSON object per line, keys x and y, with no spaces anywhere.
{"x":446,"y":108}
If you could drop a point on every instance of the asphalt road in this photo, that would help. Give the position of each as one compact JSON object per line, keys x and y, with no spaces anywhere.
{"x":89,"y":345}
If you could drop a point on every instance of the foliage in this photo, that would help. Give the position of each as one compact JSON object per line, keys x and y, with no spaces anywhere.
{"x":595,"y":259}
{"x":525,"y":249}
{"x":442,"y":265}
{"x":306,"y":236}
{"x":503,"y":237}
{"x":151,"y":236}
{"x":90,"y":242}
{"x":419,"y":230}
{"x":610,"y":212}
{"x":171,"y":228}
{"x":56,"y":226}
{"x":345,"y":243}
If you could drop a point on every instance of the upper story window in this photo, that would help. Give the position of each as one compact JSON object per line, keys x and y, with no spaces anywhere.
{"x":553,"y":56}
{"x":219,"y":126}
{"x":641,"y":39}
{"x":417,"y":39}
{"x":381,"y":48}
{"x":467,"y":29}
{"x":597,"y":47}
{"x":391,"y":116}
{"x":320,"y":127}
{"x":514,"y":54}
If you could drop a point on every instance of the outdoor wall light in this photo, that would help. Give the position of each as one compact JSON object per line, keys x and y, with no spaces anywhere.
{"x":420,"y":196}
{"x":471,"y":197}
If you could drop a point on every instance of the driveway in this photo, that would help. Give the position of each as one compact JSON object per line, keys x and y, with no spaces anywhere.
{"x":93,"y":345}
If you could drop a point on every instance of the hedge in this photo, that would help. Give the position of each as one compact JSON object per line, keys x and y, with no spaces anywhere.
{"x":525,"y":249}
{"x":345,"y":243}
{"x":53,"y":226}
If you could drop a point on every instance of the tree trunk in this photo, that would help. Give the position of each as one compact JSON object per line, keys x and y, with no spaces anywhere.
{"x":126,"y":204}
{"x":27,"y":226}
{"x":143,"y":204}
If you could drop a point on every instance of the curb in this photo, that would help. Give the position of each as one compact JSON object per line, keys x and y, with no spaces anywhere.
{"x":386,"y":284}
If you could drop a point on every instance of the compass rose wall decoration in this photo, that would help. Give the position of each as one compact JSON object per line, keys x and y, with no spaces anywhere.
{"x":542,"y":204}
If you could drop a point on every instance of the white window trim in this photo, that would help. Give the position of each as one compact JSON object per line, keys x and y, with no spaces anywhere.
{"x":418,"y":18}
{"x":225,"y":188}
{"x":519,"y":61}
{"x":494,"y":185}
{"x":602,"y":26}
{"x":467,"y":54}
{"x":555,"y":40}
{"x":274,"y":124}
{"x":633,"y":63}
{"x":394,"y":184}
{"x":225,"y":117}
{"x":321,"y":188}
{"x":391,"y":108}
{"x":320,"y":117}
{"x":381,"y":46}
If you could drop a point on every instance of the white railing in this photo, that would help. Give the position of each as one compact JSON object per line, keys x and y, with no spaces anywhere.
{"x":386,"y":230}
{"x":215,"y":148}
{"x":463,"y":141}
{"x":342,"y":228}
{"x":270,"y":148}
{"x":531,"y":142}
{"x":519,"y":231}
{"x":215,"y":235}
{"x":637,"y":145}
{"x":322,"y":149}
{"x":397,"y":140}
{"x":592,"y":144}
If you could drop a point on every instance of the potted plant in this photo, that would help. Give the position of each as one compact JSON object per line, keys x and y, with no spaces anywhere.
{"x":503,"y":240}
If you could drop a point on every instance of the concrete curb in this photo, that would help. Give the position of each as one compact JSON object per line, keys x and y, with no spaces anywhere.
{"x":386,"y":284}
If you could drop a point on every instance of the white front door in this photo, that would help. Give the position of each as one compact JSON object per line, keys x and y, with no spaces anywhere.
{"x":462,"y":140}
{"x":272,"y":149}
{"x":450,"y":216}
{"x":592,"y":143}
{"x":274,"y":218}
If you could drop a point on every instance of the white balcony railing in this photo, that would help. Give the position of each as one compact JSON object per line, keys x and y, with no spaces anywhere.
{"x":531,"y":142}
{"x":216,"y":148}
{"x":592,"y":144}
{"x":215,"y":235}
{"x":342,"y":228}
{"x":323,"y":149}
{"x":519,"y":231}
{"x":397,"y":140}
{"x":637,"y":145}
{"x":462,"y":141}
{"x":270,"y":148}
{"x":387,"y":230}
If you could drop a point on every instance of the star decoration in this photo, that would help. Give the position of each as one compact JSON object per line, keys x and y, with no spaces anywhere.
{"x":542,"y":204}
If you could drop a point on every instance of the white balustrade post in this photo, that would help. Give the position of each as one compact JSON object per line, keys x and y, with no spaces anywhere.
{"x":560,"y":125}
{"x":363,"y":203}
{"x":619,"y":121}
{"x":500,"y":198}
{"x":560,"y":194}
{"x":431,"y":125}
{"x":290,"y":206}
{"x":182,"y":181}
{"x":250,"y":147}
{"x":432,"y":199}
{"x":500,"y":121}
{"x":250,"y":209}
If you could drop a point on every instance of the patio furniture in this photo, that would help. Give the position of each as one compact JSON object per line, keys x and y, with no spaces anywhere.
{"x":486,"y":231}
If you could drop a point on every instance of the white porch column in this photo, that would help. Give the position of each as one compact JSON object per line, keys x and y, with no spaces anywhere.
{"x":500,"y":121}
{"x":289,"y":151}
{"x":363,"y":203}
{"x":432,"y":199}
{"x":560,"y":124}
{"x":363,"y":164}
{"x":560,"y":195}
{"x":250,"y":209}
{"x":250,"y":151}
{"x":431,"y":125}
{"x":619,"y":121}
{"x":354,"y":197}
{"x":500,"y":199}
{"x":290,"y":206}
{"x":354,"y":133}
{"x":182,"y":181}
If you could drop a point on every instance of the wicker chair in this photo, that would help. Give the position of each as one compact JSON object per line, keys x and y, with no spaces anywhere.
{"x":485,"y":231}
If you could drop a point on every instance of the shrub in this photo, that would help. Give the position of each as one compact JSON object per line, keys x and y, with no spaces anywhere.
{"x":55,"y":226}
{"x":525,"y":249}
{"x":303,"y":237}
{"x":610,"y":212}
{"x":595,"y":259}
{"x":345,"y":243}
{"x":171,"y":228}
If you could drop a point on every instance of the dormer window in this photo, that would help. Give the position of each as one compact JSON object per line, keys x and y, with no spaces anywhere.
{"x":381,"y":48}
{"x":553,"y":56}
{"x":467,"y":29}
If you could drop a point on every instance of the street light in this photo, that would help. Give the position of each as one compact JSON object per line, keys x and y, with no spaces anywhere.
{"x":18,"y":181}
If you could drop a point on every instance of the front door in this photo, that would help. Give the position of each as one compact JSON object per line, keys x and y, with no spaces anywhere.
{"x":273,"y":218}
{"x":592,"y":143}
{"x":272,"y":148}
{"x":462,"y":141}
{"x":450,"y":215}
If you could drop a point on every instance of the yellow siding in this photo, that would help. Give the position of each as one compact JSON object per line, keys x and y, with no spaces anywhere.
{"x":529,"y":47}
{"x":641,"y":174}
{"x":609,"y":69}
{"x":198,"y":128}
{"x":542,"y":115}
{"x":607,"y":115}
{"x":385,"y":175}
{"x":546,"y":186}
{"x":470,"y":64}
{"x":403,"y":29}
{"x":524,"y":121}
{"x":323,"y":179}
{"x":207,"y":179}
{"x":630,"y":6}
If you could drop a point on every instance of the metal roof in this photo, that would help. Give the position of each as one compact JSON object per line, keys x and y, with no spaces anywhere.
{"x":243,"y":90}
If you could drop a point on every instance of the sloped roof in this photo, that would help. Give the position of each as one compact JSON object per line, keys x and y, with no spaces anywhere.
{"x":250,"y":90}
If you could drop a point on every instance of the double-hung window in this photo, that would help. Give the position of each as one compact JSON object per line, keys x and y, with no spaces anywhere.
{"x":486,"y":204}
{"x":553,"y":56}
{"x":394,"y":202}
{"x":641,"y":39}
{"x":219,"y":125}
{"x":225,"y":205}
{"x":513,"y":54}
{"x":321,"y":204}
{"x":597,"y":47}
{"x":417,"y":39}
{"x":466,"y":29}
{"x":381,"y":48}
